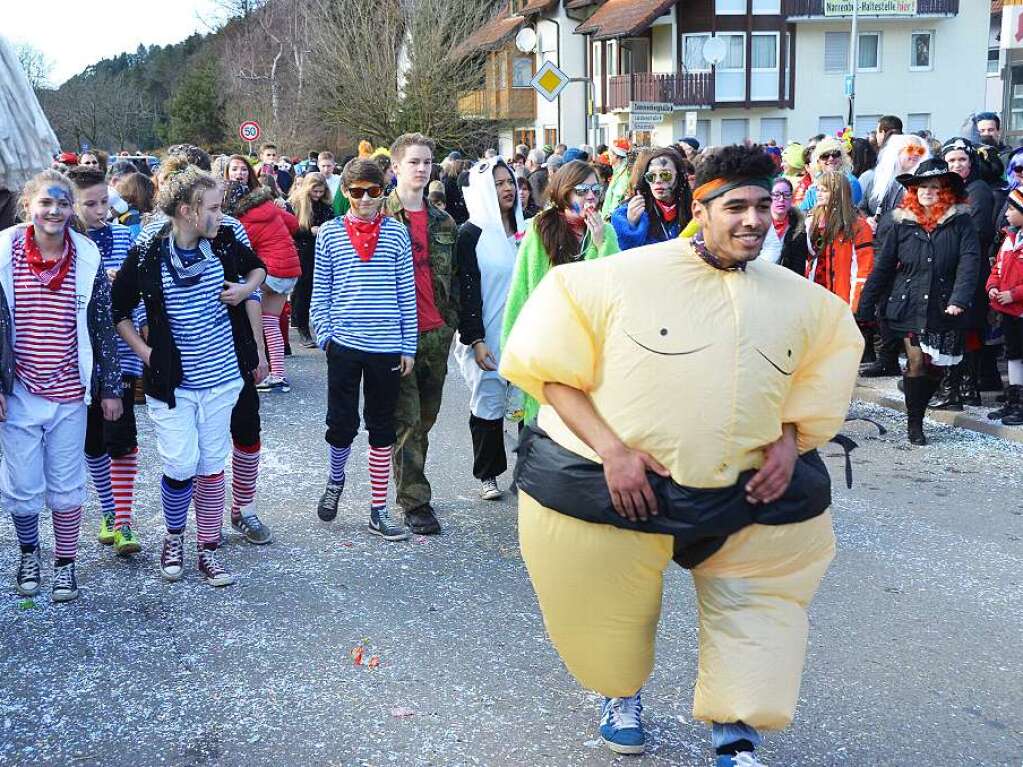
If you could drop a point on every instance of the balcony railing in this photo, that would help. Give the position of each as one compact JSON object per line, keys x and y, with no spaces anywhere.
{"x":682,"y":89}
{"x":815,"y":8}
{"x":499,"y":104}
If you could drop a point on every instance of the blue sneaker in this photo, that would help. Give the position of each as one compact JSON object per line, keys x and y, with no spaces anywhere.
{"x":741,"y":759}
{"x":621,"y":725}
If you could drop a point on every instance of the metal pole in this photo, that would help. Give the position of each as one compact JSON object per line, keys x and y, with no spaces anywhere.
{"x":854,"y":50}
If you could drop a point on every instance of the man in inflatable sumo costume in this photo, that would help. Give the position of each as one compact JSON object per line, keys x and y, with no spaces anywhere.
{"x":684,"y":388}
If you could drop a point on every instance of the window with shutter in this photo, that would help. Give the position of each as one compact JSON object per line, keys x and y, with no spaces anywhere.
{"x":918,"y":121}
{"x":836,"y":51}
{"x":734,"y":131}
{"x":829,"y":125}
{"x":866,"y":124}
{"x":773,"y":128}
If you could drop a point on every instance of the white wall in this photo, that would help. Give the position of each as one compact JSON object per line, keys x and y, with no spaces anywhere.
{"x":955,"y":87}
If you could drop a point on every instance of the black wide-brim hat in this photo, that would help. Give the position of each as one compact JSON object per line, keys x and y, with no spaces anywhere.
{"x":934,"y":168}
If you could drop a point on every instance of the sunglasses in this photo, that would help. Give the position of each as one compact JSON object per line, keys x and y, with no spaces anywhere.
{"x":915,"y":151}
{"x":357,"y":193}
{"x":1017,"y":169}
{"x":584,"y":189}
{"x":781,"y":195}
{"x":831,"y":155}
{"x":89,"y":163}
{"x":659,"y":175}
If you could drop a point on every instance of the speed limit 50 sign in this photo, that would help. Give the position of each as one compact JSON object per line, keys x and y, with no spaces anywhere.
{"x":249,"y":131}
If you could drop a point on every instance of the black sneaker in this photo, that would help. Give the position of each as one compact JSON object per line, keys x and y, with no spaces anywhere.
{"x":380,"y":524}
{"x":29,"y":577}
{"x":423,"y":520}
{"x":252,"y":529}
{"x":327,"y":508}
{"x":65,"y":585}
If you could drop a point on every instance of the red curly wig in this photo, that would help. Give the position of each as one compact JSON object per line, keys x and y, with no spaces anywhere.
{"x":928,"y":219}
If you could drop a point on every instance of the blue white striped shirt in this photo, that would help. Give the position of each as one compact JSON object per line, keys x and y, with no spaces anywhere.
{"x":201,"y":327}
{"x":365,"y":305}
{"x":154,"y":227}
{"x":114,"y":241}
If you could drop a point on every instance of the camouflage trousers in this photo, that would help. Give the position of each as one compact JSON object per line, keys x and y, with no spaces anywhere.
{"x":418,"y":405}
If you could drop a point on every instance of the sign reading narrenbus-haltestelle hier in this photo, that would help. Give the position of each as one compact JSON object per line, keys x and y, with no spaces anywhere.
{"x":870,"y":7}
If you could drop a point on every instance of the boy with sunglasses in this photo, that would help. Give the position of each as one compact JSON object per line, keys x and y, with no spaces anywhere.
{"x":363,"y":313}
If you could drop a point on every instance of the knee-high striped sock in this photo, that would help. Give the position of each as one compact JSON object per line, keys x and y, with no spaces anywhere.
{"x":338,"y":461}
{"x":244,"y":473}
{"x":66,"y":526}
{"x":99,"y":471}
{"x":274,"y":343}
{"x":379,"y":475}
{"x":27,"y":529}
{"x":209,"y":509}
{"x":122,"y":480}
{"x":177,"y":497}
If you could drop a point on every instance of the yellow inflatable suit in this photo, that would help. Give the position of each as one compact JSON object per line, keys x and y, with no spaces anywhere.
{"x":699,"y":367}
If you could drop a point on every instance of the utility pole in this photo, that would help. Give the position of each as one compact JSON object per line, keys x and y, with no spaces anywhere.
{"x":854,"y":51}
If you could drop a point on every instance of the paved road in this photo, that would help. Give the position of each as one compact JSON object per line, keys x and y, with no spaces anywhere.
{"x":915,"y":655}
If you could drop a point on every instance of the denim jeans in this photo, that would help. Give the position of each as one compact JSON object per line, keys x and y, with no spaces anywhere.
{"x":724,"y":734}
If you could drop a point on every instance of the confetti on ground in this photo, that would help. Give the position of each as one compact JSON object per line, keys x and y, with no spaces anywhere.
{"x":402,"y":712}
{"x":26,"y":604}
{"x":357,"y":655}
{"x":374,"y":662}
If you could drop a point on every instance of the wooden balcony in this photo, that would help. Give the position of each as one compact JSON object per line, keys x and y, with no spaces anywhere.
{"x":514,"y":104}
{"x":682,"y":89}
{"x":806,"y":9}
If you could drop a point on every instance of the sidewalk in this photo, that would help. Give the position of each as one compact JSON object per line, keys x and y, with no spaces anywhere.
{"x":885,"y":392}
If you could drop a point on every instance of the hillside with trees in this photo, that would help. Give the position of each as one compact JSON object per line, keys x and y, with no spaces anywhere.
{"x":314,"y":73}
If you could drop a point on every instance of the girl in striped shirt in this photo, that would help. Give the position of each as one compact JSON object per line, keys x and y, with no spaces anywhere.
{"x":195,"y":279}
{"x":363,"y":313}
{"x":58,"y":352}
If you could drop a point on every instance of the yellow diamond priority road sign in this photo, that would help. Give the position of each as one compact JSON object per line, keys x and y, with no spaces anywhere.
{"x":549,"y":81}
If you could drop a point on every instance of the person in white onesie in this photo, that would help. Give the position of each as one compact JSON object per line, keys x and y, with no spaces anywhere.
{"x":486,"y":249}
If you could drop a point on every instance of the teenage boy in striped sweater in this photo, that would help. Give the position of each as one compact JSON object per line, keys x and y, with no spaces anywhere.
{"x":58,"y":352}
{"x":111,"y":447}
{"x":363,"y":312}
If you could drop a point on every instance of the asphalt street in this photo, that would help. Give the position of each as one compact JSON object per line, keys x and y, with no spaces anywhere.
{"x":915,"y":658}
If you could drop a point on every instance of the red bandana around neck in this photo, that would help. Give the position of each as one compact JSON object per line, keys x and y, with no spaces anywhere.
{"x":668,"y":212}
{"x":781,"y":225}
{"x":576,"y":223}
{"x":363,"y":234}
{"x":50,"y":273}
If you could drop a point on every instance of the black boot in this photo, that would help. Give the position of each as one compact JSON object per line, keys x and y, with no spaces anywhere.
{"x":869,"y":352}
{"x":918,"y":391}
{"x":1012,"y":404}
{"x":988,"y":376}
{"x":1015,"y":415}
{"x":970,"y":387}
{"x":948,"y":395}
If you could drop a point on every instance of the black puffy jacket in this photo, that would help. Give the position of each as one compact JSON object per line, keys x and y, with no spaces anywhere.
{"x":924,"y":272}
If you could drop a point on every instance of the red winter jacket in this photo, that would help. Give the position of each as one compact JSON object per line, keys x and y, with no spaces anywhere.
{"x":270,"y":228}
{"x":1007,"y":274}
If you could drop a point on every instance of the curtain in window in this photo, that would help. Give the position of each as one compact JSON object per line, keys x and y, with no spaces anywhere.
{"x":765,"y":52}
{"x":692,"y":54}
{"x":736,"y":57}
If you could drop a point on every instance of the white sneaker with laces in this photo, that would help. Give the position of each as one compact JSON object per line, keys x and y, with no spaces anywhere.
{"x":490,"y":491}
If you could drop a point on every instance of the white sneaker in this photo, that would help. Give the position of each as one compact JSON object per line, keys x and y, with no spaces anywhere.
{"x":490,"y":491}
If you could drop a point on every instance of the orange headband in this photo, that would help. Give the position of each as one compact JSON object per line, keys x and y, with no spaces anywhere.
{"x":718,"y":186}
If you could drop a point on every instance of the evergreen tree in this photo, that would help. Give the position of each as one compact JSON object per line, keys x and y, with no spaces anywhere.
{"x":196,"y":109}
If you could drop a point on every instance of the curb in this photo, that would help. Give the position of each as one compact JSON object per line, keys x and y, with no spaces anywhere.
{"x":972,"y":419}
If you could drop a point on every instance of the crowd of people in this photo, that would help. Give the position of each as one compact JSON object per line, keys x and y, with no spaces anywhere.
{"x":177,"y":284}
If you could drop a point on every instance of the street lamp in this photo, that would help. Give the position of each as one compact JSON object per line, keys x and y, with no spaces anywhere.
{"x":854,"y":48}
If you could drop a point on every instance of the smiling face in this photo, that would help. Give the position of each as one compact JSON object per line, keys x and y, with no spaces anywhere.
{"x":928,"y":192}
{"x":831,"y":160}
{"x":958,"y":162}
{"x":238,"y":170}
{"x":50,"y":210}
{"x":734,"y":224}
{"x":92,"y":206}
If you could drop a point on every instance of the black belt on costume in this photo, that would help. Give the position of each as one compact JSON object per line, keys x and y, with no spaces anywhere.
{"x":700,"y":519}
